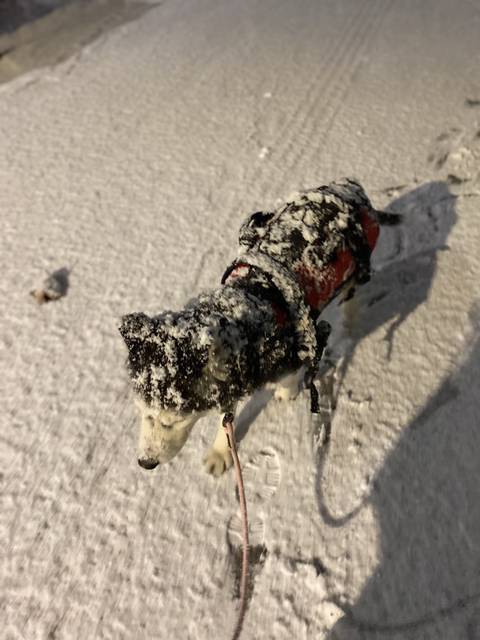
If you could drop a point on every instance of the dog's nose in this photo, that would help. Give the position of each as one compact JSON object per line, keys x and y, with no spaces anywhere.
{"x":147,"y":463}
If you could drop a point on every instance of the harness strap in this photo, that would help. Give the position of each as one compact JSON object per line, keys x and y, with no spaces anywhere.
{"x":292,"y":293}
{"x":311,"y":338}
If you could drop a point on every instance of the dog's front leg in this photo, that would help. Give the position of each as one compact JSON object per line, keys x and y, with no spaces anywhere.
{"x":288,"y":387}
{"x":219,"y":458}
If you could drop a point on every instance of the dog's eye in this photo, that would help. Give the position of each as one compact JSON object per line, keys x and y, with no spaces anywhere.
{"x":167,"y":427}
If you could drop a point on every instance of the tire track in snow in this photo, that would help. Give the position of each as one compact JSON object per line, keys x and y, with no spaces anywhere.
{"x":338,"y":83}
{"x":324,"y":97}
{"x":288,"y":134}
{"x":331,"y":74}
{"x":312,"y":98}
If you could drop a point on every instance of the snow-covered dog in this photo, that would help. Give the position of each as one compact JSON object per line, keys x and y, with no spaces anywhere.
{"x":262,"y":325}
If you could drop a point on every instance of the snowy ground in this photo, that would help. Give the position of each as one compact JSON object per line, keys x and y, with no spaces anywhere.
{"x":133,"y":164}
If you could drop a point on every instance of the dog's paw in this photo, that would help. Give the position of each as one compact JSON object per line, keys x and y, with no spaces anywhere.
{"x":285,"y":394}
{"x":217,"y":462}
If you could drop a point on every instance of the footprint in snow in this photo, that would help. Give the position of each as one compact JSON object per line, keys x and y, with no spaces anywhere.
{"x":455,"y":154}
{"x":261,"y":475}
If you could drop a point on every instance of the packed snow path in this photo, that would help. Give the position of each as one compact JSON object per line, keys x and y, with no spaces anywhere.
{"x":132,"y":165}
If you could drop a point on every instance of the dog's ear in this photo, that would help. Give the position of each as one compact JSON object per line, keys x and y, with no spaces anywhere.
{"x":254,"y":227}
{"x":135,"y":327}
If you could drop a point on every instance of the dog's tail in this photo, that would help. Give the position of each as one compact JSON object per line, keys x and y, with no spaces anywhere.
{"x":387,"y":218}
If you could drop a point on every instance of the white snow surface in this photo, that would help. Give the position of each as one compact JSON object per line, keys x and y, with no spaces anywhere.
{"x":133,"y":164}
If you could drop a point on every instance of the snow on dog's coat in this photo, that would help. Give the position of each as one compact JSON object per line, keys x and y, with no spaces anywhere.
{"x":259,"y":326}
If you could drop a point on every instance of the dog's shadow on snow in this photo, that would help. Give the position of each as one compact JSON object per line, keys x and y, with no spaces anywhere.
{"x":404,"y":266}
{"x":426,"y":495}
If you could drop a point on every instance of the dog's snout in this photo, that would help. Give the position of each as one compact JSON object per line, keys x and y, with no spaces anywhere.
{"x":147,"y":463}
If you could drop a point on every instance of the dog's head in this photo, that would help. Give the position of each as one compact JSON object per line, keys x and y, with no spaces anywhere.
{"x":166,"y":367}
{"x":182,"y":364}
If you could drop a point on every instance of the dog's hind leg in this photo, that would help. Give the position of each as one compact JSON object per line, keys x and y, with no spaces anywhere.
{"x":219,"y":458}
{"x":288,"y":387}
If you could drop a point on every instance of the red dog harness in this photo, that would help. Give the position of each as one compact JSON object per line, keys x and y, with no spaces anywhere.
{"x":322,"y":286}
{"x":310,"y":249}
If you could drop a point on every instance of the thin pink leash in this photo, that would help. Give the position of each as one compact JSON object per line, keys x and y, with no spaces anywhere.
{"x":228,"y":426}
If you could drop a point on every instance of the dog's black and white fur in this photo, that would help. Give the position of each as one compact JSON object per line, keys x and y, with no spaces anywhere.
{"x":260,"y":326}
